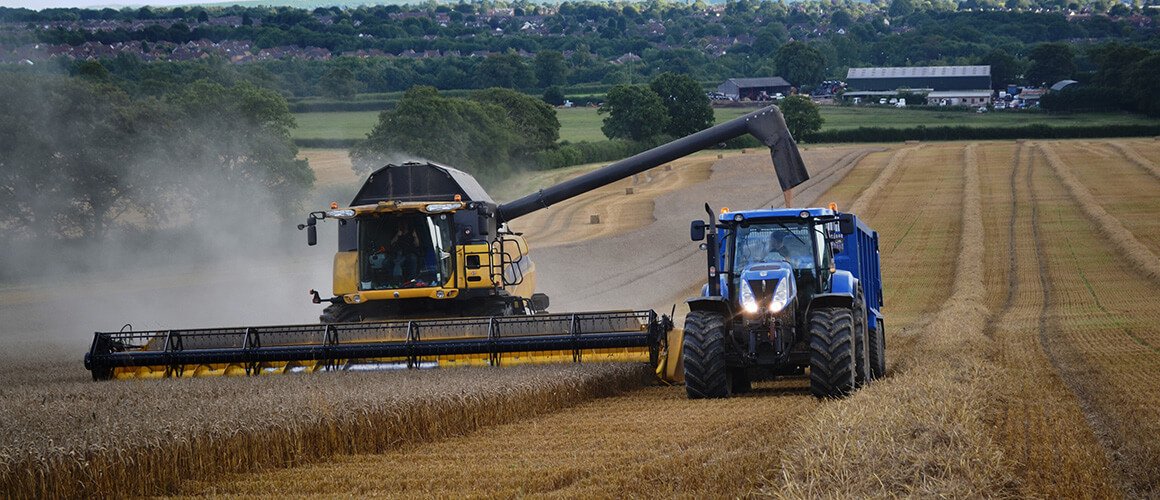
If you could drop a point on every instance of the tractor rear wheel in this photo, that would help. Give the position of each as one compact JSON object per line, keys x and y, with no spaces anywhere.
{"x":706,"y":375}
{"x":862,"y":374}
{"x":832,"y":353}
{"x":340,"y":313}
{"x":878,"y":351}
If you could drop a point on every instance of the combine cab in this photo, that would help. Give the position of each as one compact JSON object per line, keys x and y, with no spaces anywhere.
{"x":426,"y":273}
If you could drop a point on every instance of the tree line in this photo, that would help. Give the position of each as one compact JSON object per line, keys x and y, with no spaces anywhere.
{"x":803,"y":42}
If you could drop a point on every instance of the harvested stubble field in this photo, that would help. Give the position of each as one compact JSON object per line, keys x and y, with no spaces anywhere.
{"x":1022,"y":337}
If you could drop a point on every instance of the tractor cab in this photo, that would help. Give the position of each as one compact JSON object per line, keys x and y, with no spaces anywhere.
{"x":757,"y":248}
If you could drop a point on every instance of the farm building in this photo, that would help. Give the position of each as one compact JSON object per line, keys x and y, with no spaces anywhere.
{"x":958,"y":98}
{"x":753,"y":88}
{"x":935,"y":78}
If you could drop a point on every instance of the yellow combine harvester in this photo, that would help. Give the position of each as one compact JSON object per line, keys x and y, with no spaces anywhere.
{"x":427,"y":274}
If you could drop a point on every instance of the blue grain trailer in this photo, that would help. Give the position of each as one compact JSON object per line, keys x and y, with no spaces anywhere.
{"x":788,"y":289}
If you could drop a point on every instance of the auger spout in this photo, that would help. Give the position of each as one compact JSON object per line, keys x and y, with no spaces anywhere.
{"x":766,"y":124}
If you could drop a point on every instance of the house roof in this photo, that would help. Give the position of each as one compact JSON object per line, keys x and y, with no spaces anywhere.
{"x":918,"y":72}
{"x":744,"y":83}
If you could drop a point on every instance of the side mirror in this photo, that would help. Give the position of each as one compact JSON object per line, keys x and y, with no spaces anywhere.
{"x":846,"y":223}
{"x":311,"y":230}
{"x":697,"y":230}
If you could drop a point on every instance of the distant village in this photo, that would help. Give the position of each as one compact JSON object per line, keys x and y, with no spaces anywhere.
{"x":241,"y":51}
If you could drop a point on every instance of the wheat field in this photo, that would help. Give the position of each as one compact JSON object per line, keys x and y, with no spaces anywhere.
{"x":1023,"y":341}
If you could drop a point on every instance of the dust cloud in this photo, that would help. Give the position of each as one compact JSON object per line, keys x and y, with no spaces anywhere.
{"x":234,"y":261}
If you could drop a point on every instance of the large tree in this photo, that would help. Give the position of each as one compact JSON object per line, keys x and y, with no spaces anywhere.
{"x":471,"y":135}
{"x":1145,"y":87}
{"x":801,"y":115}
{"x":550,"y":69}
{"x":1005,"y":68}
{"x":533,"y":122}
{"x":687,"y":105}
{"x":800,"y":63}
{"x":506,"y":70}
{"x":80,"y":159}
{"x":1050,"y":63}
{"x":633,"y":113}
{"x":235,"y":140}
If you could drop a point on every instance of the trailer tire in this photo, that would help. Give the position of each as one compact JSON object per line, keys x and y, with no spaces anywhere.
{"x":832,"y":363}
{"x":706,"y":375}
{"x":862,"y":375}
{"x":340,"y":313}
{"x":878,"y":351}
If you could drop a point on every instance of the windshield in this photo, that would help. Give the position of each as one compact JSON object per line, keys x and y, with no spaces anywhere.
{"x":773,"y":242}
{"x":404,"y":251}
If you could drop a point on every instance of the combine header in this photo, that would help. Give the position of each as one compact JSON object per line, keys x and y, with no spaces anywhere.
{"x":427,"y":274}
{"x":496,"y":340}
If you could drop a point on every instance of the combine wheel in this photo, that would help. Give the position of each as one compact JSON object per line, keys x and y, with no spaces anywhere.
{"x":832,"y":363}
{"x":862,"y":373}
{"x":706,"y":375}
{"x":340,"y":313}
{"x":878,"y":351}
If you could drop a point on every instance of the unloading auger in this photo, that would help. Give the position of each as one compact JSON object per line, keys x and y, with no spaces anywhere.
{"x":427,"y":274}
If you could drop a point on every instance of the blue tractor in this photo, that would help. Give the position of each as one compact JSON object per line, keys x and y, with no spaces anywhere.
{"x":788,"y":289}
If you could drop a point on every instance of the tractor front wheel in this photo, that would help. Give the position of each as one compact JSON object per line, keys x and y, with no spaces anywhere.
{"x":832,"y":363}
{"x":706,"y":375}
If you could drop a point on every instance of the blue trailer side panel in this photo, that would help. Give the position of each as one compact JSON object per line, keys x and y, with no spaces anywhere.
{"x":860,"y":257}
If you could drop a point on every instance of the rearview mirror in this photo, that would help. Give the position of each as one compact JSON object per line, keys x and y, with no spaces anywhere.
{"x":846,"y":223}
{"x":311,"y":230}
{"x":697,"y":230}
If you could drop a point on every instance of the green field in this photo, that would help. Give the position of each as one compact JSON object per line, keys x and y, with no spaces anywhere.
{"x":335,"y":125}
{"x":583,"y":124}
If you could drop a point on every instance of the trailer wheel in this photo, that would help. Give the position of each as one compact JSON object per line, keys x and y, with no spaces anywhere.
{"x":832,"y":362}
{"x":878,"y":351}
{"x":340,"y":313}
{"x":862,"y":375}
{"x":706,"y":375}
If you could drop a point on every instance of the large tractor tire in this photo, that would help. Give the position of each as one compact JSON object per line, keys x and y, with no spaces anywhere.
{"x":706,"y":375}
{"x":340,"y":313}
{"x":832,"y":363}
{"x":878,"y":351}
{"x":862,"y":375}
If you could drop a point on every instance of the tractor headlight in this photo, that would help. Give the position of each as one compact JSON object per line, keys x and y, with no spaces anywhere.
{"x":780,"y":296}
{"x":340,"y":214}
{"x":748,"y":300}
